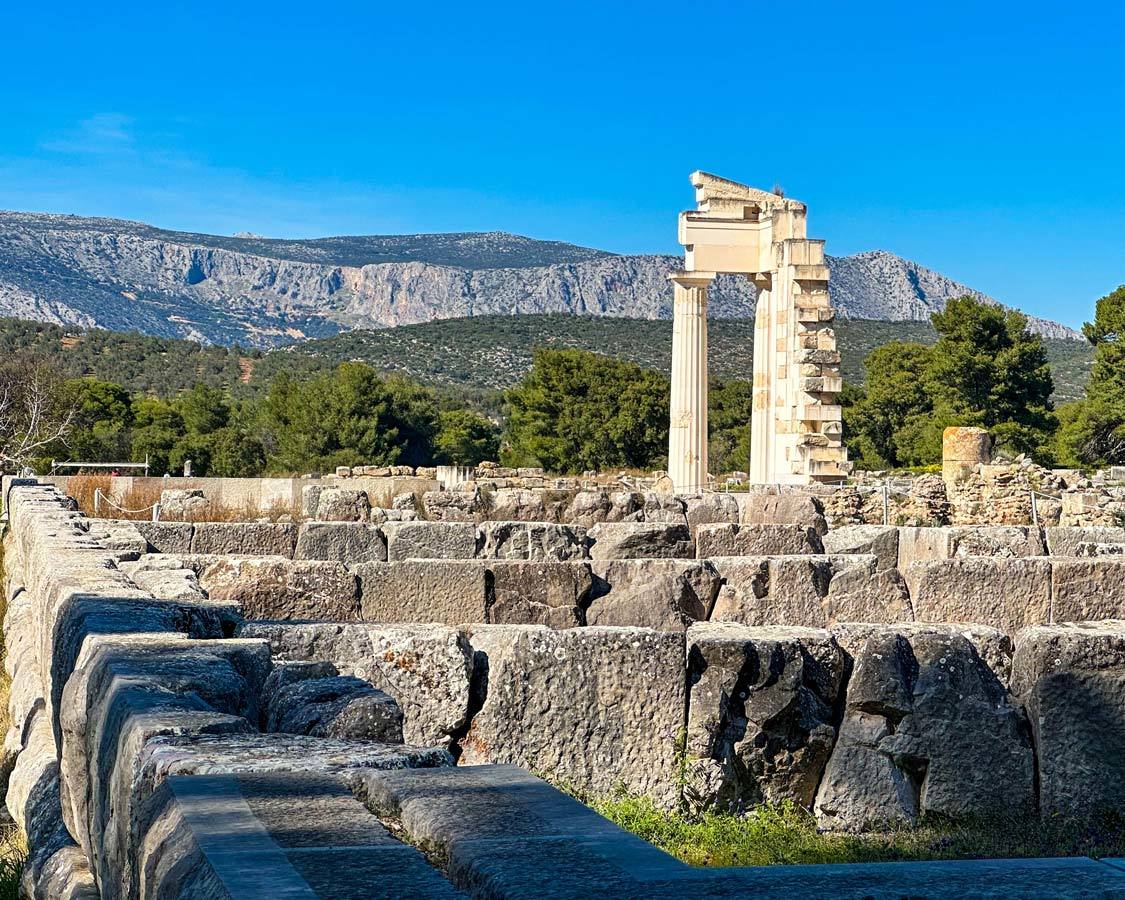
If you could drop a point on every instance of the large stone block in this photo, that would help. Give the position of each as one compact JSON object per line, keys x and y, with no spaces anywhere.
{"x":928,"y":728}
{"x":121,"y":538}
{"x":342,"y":505}
{"x":1005,"y":541}
{"x":640,"y":540}
{"x":923,"y":544}
{"x":860,"y":591}
{"x":783,"y":509}
{"x":244,"y":538}
{"x":1088,"y":588}
{"x":532,"y":540}
{"x":279,"y":588}
{"x":167,"y":537}
{"x":879,"y":540}
{"x":745,"y":585}
{"x":425,"y":668}
{"x":538,"y":593}
{"x":1004,"y":593}
{"x":346,"y":542}
{"x":664,"y":594}
{"x":594,"y":707}
{"x":125,"y":690}
{"x":707,"y":509}
{"x":760,"y":714}
{"x":430,"y":540}
{"x":755,"y":540}
{"x":1065,"y":540}
{"x":445,"y":591}
{"x":1072,"y":680}
{"x":314,"y":699}
{"x":796,"y":588}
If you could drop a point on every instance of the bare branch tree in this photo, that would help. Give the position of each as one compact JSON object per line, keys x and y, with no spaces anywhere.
{"x":33,"y":414}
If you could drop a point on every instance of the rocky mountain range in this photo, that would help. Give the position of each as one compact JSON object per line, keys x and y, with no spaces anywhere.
{"x":266,"y":292}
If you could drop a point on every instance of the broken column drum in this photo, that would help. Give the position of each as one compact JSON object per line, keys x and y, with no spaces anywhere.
{"x":796,"y":433}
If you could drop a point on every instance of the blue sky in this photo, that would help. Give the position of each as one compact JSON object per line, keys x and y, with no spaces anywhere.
{"x":984,"y":140}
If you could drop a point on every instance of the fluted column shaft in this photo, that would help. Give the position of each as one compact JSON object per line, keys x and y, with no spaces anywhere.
{"x":687,"y":431}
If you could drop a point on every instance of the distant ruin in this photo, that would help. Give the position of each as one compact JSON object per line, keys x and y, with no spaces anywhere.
{"x":796,"y":432}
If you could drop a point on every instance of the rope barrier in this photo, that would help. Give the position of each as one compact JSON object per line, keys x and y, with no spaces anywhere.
{"x":99,"y":498}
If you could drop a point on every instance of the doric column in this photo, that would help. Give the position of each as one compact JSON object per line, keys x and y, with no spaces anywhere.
{"x":687,"y":431}
{"x":765,"y":372}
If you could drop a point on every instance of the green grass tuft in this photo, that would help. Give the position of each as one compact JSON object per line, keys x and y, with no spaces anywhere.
{"x":785,"y":834}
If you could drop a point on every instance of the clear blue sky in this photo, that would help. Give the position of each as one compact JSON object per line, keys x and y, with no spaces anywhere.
{"x":984,"y":140}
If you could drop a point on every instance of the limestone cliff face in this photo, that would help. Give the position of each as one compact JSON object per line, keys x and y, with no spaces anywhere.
{"x":124,"y":275}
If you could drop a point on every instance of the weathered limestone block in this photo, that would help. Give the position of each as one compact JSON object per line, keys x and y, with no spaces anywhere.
{"x":218,"y":835}
{"x":588,"y":508}
{"x":346,"y":542}
{"x":1071,"y":678}
{"x":167,"y":537}
{"x":862,"y":592}
{"x":1004,"y":541}
{"x":121,"y":538}
{"x":445,"y":591}
{"x":664,"y":594}
{"x":755,"y":540}
{"x":745,"y":585}
{"x":450,"y":506}
{"x":814,"y":591}
{"x":425,"y":668}
{"x":430,"y":540}
{"x":170,"y":584}
{"x":342,"y":505}
{"x":314,"y":699}
{"x":1004,"y":593}
{"x":125,"y":690}
{"x":783,"y":509}
{"x":595,"y":707}
{"x":928,"y":728}
{"x":760,"y":714}
{"x":279,"y":588}
{"x":244,"y":538}
{"x":1089,"y":549}
{"x":538,"y":593}
{"x":1088,"y":588}
{"x":640,"y":540}
{"x":518,"y":505}
{"x":919,"y":544}
{"x":310,"y":497}
{"x":184,"y":504}
{"x":1065,"y":540}
{"x":708,"y":509}
{"x":663,"y":508}
{"x":880,"y":540}
{"x":531,"y":540}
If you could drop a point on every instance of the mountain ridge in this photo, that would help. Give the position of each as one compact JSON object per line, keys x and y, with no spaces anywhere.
{"x":266,"y":292}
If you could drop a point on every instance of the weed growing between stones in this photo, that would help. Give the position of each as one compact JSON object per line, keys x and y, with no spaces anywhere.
{"x":785,"y":834}
{"x":13,"y":853}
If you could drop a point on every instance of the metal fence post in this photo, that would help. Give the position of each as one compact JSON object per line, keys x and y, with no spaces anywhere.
{"x":886,"y":504}
{"x":97,"y":501}
{"x":1034,"y":511}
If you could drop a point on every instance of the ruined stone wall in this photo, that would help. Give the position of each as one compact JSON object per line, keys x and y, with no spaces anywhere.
{"x":722,"y":664}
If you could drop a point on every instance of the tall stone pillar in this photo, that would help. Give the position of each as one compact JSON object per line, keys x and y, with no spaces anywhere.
{"x":762,"y":415}
{"x":687,"y":431}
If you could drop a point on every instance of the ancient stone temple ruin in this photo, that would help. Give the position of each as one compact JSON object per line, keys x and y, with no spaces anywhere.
{"x":796,"y":434}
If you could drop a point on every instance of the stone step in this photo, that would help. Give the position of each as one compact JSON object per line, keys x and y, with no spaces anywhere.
{"x":279,"y":837}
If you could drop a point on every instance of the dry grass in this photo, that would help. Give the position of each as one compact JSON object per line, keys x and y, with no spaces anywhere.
{"x":136,"y":505}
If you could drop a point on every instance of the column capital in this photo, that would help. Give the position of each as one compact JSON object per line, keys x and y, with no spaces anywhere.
{"x":691,"y":279}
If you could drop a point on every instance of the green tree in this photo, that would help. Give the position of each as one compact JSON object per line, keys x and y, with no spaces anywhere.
{"x":235,"y":453}
{"x":466,"y":438}
{"x":347,"y":417}
{"x":989,"y":369}
{"x":157,"y":428}
{"x":1093,"y":429}
{"x":103,"y":416}
{"x":204,"y":409}
{"x":730,"y":405}
{"x":986,"y":369}
{"x":894,"y":396}
{"x":576,"y":410}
